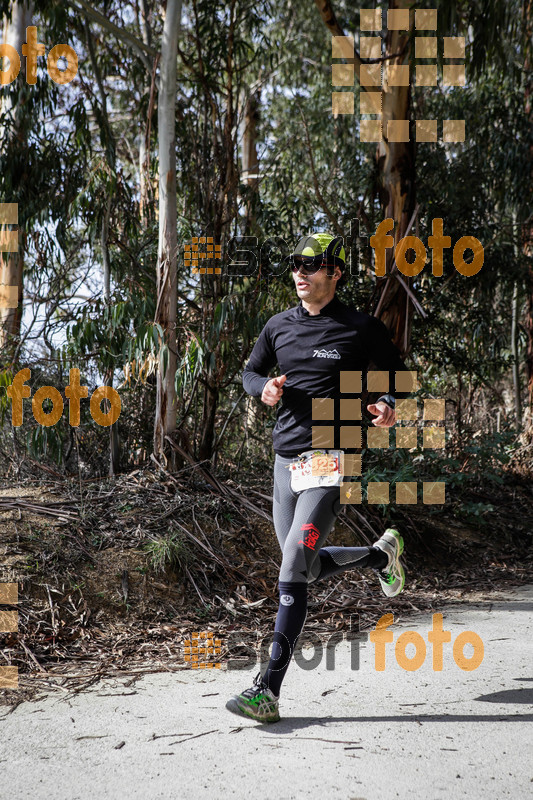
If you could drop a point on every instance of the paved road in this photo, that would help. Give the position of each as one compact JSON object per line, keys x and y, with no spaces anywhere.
{"x":347,"y":734}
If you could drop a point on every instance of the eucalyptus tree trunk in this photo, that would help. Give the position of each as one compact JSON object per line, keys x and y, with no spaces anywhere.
{"x":514,"y":335}
{"x":107,"y":135}
{"x":11,"y":264}
{"x":250,"y":160}
{"x":145,"y":192}
{"x":527,"y":228}
{"x":114,"y":444}
{"x":395,"y":167}
{"x":142,"y":178}
{"x":516,"y":363}
{"x":166,"y":284}
{"x":222,"y":212}
{"x":397,"y":184}
{"x":528,"y":325}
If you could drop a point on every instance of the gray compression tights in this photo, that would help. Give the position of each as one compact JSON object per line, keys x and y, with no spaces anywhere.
{"x":303,"y":521}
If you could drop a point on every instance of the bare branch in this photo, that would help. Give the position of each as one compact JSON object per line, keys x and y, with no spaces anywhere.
{"x":125,"y":36}
{"x":332,"y":24}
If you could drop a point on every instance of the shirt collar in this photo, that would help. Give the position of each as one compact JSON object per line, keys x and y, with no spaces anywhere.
{"x":329,"y":310}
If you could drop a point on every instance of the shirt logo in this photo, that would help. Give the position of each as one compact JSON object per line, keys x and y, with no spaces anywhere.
{"x":326,"y":354}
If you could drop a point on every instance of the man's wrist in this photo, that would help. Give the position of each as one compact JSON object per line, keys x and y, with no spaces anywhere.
{"x":388,"y":399}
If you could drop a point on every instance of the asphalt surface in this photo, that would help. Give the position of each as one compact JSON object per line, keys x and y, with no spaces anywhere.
{"x":344,"y":733}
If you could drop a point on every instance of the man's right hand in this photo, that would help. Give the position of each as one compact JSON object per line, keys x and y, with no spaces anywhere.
{"x":273,"y":390}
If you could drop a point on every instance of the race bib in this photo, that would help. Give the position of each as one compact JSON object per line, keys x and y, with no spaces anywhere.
{"x":316,"y":468}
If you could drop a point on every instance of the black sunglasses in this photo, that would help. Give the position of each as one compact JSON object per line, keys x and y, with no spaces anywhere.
{"x":308,"y":266}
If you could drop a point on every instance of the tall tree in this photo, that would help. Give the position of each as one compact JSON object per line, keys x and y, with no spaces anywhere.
{"x":11,"y":264}
{"x":395,"y":167}
{"x":166,"y":284}
{"x":109,"y":146}
{"x":250,"y":161}
{"x":527,"y":229}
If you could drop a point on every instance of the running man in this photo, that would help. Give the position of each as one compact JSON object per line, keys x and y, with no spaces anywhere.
{"x":312,"y":343}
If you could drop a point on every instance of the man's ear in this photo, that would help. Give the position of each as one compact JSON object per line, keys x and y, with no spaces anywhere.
{"x":336,"y":275}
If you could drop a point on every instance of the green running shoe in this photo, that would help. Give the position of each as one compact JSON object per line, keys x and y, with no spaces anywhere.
{"x":257,"y":703}
{"x":392,"y":576}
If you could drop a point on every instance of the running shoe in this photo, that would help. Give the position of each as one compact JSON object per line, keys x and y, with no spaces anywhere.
{"x":259,"y":702}
{"x":391,"y":576}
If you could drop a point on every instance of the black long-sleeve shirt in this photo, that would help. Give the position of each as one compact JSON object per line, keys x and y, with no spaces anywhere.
{"x":311,"y":350}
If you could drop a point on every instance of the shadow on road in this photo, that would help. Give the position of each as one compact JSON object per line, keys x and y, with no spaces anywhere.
{"x":290,"y":724}
{"x":490,"y":605}
{"x":509,"y":696}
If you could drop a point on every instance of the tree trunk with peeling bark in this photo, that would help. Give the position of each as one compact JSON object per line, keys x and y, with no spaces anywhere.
{"x":250,"y":161}
{"x":11,"y":264}
{"x":396,"y":170}
{"x":397,"y":179}
{"x":527,"y":228}
{"x":226,"y":181}
{"x":166,"y":308}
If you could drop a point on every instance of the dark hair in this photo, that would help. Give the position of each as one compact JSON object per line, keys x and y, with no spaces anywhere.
{"x":341,"y":283}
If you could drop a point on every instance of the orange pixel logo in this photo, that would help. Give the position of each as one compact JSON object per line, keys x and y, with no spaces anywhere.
{"x":8,"y":624}
{"x":9,"y":243}
{"x":350,"y":436}
{"x":201,"y":643}
{"x":377,"y":76}
{"x":192,"y":255}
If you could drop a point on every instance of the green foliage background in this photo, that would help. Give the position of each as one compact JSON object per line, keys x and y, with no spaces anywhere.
{"x":76,"y":157}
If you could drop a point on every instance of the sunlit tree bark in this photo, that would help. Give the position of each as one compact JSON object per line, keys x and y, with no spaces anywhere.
{"x":11,"y":264}
{"x":166,"y":284}
{"x":527,"y":229}
{"x":396,"y":171}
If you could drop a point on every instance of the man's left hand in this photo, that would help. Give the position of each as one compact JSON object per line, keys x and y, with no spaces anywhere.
{"x":386,"y":415}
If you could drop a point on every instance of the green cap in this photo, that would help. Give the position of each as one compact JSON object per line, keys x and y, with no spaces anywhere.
{"x":322,"y":244}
